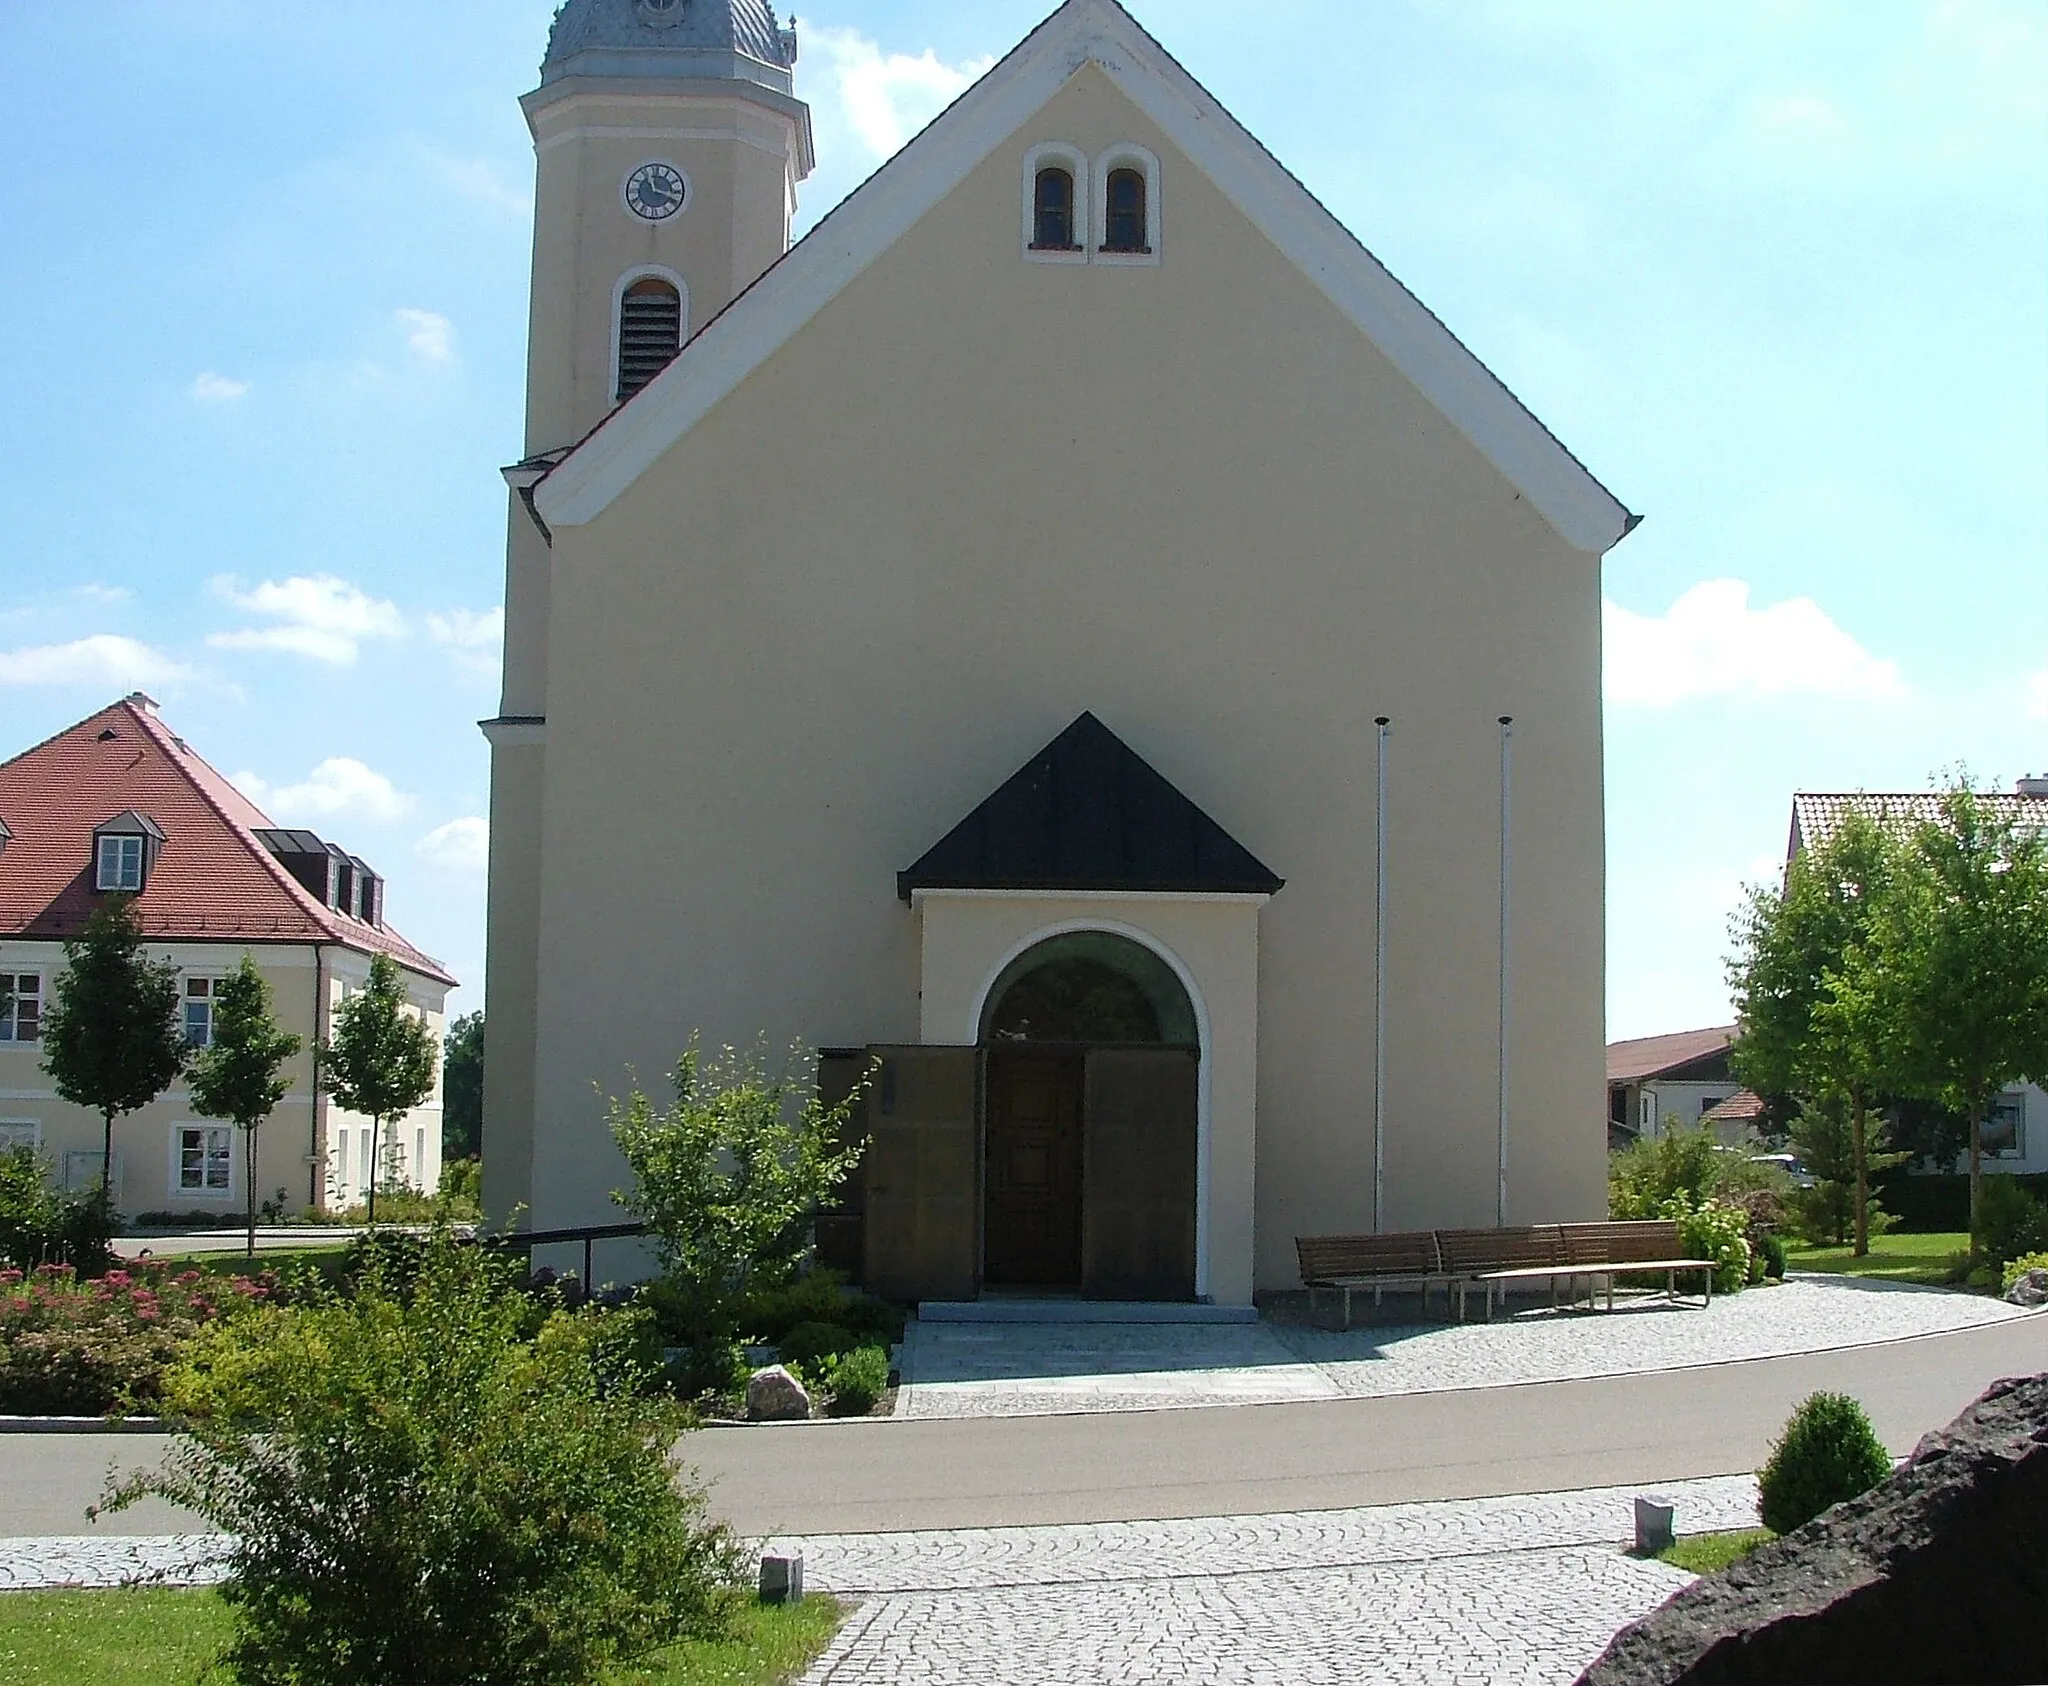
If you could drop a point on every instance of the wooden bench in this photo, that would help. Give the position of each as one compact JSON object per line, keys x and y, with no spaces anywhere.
{"x":1492,"y":1258}
{"x":1603,"y":1251}
{"x":1347,"y":1263}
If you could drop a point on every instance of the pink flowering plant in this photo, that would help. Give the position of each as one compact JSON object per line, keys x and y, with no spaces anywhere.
{"x":89,"y":1348}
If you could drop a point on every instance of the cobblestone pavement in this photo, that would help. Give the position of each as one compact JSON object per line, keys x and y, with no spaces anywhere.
{"x":1031,"y":1369}
{"x":110,"y":1560}
{"x":1525,"y":1589}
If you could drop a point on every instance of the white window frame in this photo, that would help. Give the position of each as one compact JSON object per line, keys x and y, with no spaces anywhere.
{"x":1128,"y":155}
{"x":2016,"y":1101}
{"x":11,"y":1134}
{"x":179,"y":1189}
{"x":1075,"y":162}
{"x":122,"y":841}
{"x":85,"y":1162}
{"x":10,"y":1010}
{"x":645,"y":272}
{"x":186,"y":999}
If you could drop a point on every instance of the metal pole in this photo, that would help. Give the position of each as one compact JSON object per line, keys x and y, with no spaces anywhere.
{"x":1379,"y":986}
{"x":1507,"y":742}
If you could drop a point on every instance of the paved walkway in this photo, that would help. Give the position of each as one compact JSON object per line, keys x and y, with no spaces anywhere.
{"x":1523,"y":1589}
{"x":1036,"y":1369}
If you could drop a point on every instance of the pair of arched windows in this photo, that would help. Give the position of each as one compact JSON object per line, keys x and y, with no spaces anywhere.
{"x":650,"y":332}
{"x":1064,"y":206}
{"x":1123,"y":212}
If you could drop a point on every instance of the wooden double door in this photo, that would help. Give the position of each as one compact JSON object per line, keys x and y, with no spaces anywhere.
{"x":1054,"y":1168}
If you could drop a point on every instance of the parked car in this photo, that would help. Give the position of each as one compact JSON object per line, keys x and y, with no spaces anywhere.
{"x":1790,"y":1163}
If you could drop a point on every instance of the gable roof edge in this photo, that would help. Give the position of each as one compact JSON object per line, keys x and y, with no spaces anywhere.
{"x":1440,"y":366}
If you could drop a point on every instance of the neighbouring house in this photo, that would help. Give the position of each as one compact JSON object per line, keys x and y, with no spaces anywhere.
{"x":992,"y":639}
{"x":118,"y":804}
{"x":1739,"y":1119}
{"x":1654,"y":1081}
{"x":2014,"y":1135}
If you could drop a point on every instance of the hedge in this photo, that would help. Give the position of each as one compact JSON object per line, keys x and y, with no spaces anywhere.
{"x":1940,"y":1204}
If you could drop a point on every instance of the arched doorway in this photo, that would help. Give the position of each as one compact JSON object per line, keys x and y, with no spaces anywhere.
{"x":1090,"y":1121}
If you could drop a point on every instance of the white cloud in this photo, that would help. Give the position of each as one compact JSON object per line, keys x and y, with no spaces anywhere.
{"x":339,"y":785}
{"x":473,"y":639}
{"x":888,"y":97}
{"x":106,"y":660}
{"x":477,"y":180}
{"x":211,"y":388}
{"x":430,"y":334}
{"x":103,"y":594}
{"x":462,"y":845}
{"x":317,"y":615}
{"x":1712,"y":643}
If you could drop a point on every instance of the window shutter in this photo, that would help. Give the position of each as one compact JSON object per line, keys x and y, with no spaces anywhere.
{"x":650,"y":332}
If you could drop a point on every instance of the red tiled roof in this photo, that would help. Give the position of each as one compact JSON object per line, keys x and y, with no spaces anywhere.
{"x":1649,"y":1056}
{"x":212,"y":881}
{"x":1742,"y":1107}
{"x":1816,"y":814}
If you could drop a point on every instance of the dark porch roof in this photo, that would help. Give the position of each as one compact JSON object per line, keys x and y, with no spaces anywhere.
{"x":1087,"y":813}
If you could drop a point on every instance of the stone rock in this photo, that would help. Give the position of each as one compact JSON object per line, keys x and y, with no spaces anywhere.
{"x":775,"y":1396}
{"x":1938,"y":1574}
{"x":2030,"y":1290}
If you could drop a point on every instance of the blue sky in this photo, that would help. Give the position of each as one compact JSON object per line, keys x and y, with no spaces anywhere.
{"x":1777,"y":270}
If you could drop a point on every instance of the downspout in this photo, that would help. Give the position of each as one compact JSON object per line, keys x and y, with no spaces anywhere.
{"x":1379,"y":986}
{"x":316,"y":1160}
{"x":1507,"y":743}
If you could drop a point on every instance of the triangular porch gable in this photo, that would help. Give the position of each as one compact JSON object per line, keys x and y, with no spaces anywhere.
{"x":1088,"y":813}
{"x":629,"y":441}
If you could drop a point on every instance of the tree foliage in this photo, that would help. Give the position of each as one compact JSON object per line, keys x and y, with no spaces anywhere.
{"x":442,"y":1482}
{"x":1824,"y":1136}
{"x":111,"y":1039}
{"x":730,"y":1175}
{"x":240,"y":1074}
{"x":380,"y":1060}
{"x":462,"y":1088}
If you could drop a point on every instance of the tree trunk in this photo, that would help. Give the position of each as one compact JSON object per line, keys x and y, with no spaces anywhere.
{"x":249,"y":1182}
{"x":376,"y":1152}
{"x":1976,"y":1166}
{"x":107,"y":1160}
{"x":1862,"y":1141}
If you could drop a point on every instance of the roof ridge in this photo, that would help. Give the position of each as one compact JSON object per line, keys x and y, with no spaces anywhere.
{"x":62,"y":732}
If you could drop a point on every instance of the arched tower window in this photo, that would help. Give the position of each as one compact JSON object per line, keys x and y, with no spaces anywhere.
{"x":650,"y":331}
{"x":1124,"y":226}
{"x":1053,"y":211}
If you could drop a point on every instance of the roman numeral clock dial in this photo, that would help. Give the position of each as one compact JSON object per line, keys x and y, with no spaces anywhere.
{"x":656,"y":191}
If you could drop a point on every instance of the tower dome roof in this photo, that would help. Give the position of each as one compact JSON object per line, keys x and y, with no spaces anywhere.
{"x":738,"y":39}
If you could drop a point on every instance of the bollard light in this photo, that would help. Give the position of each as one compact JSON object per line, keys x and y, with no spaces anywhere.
{"x":782,"y":1578}
{"x":1654,"y":1530}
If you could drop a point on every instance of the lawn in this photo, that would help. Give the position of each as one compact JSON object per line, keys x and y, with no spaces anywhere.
{"x":1894,"y":1258}
{"x":169,"y":1638}
{"x":1707,"y":1554}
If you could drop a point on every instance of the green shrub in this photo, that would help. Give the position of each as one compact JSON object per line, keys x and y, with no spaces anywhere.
{"x":1773,"y":1251}
{"x":38,"y":1226}
{"x":1828,"y":1453}
{"x":2016,"y":1268}
{"x":856,"y":1380}
{"x":2010,"y":1221}
{"x":770,"y":1311}
{"x":1713,"y":1231}
{"x":440,"y":1483}
{"x":809,"y":1344}
{"x":1644,"y":1176}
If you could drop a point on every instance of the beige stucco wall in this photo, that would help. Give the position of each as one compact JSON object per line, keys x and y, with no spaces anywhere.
{"x":975,"y":496}
{"x":304,"y":1125}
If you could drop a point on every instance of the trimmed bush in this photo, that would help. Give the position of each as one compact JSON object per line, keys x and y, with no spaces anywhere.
{"x":810,"y":1344}
{"x":857,"y":1380}
{"x":445,"y":1483}
{"x":2016,"y":1268}
{"x":2010,"y":1221}
{"x":1773,"y":1250}
{"x":1828,"y":1453}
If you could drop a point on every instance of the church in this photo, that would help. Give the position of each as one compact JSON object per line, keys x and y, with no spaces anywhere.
{"x":1072,"y":636}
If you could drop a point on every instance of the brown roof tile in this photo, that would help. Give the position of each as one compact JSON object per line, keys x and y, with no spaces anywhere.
{"x":212,"y":879}
{"x":1816,"y":814}
{"x":1648,"y":1056}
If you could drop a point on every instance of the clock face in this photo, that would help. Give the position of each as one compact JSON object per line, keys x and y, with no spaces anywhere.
{"x":656,"y":192}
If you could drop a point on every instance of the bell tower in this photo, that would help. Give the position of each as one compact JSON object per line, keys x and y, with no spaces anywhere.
{"x":668,"y":146}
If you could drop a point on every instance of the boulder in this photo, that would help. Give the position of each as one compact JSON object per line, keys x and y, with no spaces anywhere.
{"x":775,"y":1396}
{"x":1938,"y":1574}
{"x":2030,"y":1290}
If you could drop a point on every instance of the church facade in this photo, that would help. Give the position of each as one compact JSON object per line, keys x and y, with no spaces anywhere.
{"x":1072,"y":635}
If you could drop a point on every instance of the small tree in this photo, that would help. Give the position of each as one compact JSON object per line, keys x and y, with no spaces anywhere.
{"x":462,"y":1088}
{"x":239,"y":1075}
{"x":729,"y":1177}
{"x":111,"y":1040}
{"x":1825,"y":1138}
{"x":380,"y":1061}
{"x":1816,"y":984}
{"x":1971,"y":945}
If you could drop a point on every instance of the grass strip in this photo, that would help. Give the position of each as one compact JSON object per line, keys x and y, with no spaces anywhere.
{"x":1892,"y":1258}
{"x":160,"y":1637}
{"x":1709,"y":1554}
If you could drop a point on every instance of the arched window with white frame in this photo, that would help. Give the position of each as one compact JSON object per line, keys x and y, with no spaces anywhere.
{"x":1056,"y":204}
{"x":1127,"y":189}
{"x":649,"y":324}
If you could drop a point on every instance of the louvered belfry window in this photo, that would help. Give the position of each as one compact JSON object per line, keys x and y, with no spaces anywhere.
{"x":650,"y":332}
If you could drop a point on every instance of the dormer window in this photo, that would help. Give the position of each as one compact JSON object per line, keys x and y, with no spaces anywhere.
{"x":124,"y":851}
{"x":1053,"y":211}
